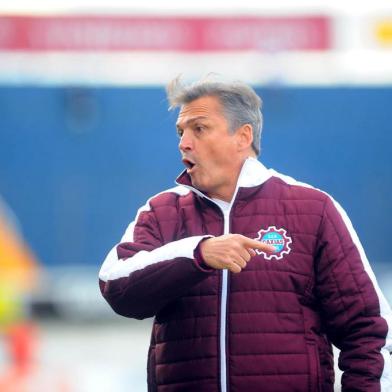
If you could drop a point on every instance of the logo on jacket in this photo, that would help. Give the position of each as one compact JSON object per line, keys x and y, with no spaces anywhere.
{"x":277,"y":238}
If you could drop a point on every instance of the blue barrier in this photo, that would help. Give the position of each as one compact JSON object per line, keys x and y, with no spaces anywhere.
{"x":76,"y":163}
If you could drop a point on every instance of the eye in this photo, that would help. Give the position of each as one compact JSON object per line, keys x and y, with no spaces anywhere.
{"x":180,"y":132}
{"x":199,"y":128}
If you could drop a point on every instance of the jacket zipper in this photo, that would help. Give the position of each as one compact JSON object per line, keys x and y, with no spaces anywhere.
{"x":224,"y":292}
{"x":223,"y":312}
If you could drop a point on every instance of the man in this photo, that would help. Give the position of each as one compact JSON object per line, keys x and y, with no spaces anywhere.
{"x":250,"y":275}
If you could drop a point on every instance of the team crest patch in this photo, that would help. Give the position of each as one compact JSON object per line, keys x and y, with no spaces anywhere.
{"x":277,"y":238}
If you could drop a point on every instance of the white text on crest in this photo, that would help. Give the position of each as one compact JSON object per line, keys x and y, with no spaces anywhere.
{"x":273,"y":242}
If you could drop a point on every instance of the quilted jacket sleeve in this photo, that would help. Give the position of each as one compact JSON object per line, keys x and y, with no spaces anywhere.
{"x":356,"y":315}
{"x":142,"y":274}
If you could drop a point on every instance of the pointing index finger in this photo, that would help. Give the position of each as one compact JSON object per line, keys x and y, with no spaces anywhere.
{"x":254,"y":244}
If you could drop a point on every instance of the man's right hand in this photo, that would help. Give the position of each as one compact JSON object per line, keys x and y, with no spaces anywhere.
{"x":231,"y":251}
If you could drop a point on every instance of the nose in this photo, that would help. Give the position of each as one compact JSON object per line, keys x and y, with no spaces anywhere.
{"x":186,"y":141}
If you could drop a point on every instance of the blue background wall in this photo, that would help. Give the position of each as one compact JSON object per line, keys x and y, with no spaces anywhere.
{"x":76,"y":163}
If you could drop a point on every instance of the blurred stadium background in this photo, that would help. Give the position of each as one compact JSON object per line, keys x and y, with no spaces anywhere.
{"x":86,"y":138}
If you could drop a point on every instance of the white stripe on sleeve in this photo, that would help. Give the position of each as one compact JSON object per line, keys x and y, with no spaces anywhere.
{"x":385,"y":310}
{"x":113,"y":268}
{"x":128,"y":235}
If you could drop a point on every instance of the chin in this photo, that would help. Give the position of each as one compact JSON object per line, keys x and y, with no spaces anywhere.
{"x":198,"y":185}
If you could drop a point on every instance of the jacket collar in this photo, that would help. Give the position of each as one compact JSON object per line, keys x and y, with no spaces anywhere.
{"x":253,"y":173}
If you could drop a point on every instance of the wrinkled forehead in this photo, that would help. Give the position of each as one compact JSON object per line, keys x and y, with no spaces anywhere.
{"x":204,"y":107}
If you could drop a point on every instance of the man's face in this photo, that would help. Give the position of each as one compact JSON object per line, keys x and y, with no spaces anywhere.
{"x":208,"y":150}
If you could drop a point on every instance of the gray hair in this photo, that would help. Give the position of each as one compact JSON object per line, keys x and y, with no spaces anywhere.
{"x":241,"y":105}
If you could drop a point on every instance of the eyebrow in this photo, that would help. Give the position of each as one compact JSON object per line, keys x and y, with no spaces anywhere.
{"x":191,"y":120}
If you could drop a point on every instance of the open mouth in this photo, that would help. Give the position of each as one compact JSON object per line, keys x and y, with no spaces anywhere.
{"x":188,"y":164}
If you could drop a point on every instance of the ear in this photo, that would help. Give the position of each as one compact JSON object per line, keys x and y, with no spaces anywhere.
{"x":244,"y":137}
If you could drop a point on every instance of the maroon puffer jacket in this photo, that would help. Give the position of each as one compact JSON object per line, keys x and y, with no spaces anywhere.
{"x":270,"y":327}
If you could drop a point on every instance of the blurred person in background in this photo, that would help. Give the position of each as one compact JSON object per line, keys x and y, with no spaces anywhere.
{"x":19,"y":278}
{"x":19,"y":273}
{"x":250,"y":274}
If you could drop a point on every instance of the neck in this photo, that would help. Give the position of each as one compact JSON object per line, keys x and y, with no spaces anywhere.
{"x":226,"y":193}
